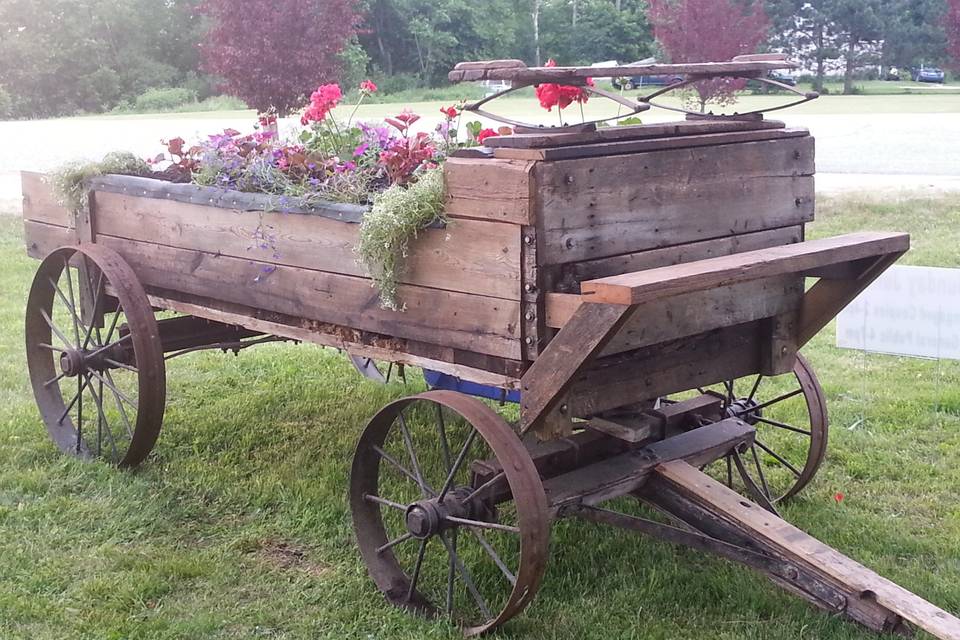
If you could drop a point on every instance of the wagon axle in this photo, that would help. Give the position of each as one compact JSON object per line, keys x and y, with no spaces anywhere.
{"x":76,"y":362}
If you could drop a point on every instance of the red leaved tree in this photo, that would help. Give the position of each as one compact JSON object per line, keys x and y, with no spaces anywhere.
{"x":709,"y":31}
{"x":273,"y":53}
{"x":953,"y":32}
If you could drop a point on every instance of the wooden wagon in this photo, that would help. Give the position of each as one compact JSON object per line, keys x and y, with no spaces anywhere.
{"x":641,"y":291}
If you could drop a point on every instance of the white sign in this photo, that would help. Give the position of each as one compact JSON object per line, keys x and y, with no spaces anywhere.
{"x":910,"y":311}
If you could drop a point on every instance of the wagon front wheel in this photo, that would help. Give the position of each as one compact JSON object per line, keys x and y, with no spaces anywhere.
{"x":449,"y":511}
{"x":790,"y":414}
{"x":94,"y":355}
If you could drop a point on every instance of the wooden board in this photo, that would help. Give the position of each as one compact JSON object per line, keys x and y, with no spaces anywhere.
{"x":573,"y":273}
{"x":646,"y":145}
{"x":470,"y":256}
{"x":692,"y":313}
{"x":42,"y":238}
{"x":653,"y":284}
{"x":808,"y":552}
{"x":666,"y":368}
{"x":471,"y":322}
{"x":509,"y":70}
{"x":545,"y":139}
{"x":39,"y":202}
{"x":591,"y":209}
{"x":489,"y":189}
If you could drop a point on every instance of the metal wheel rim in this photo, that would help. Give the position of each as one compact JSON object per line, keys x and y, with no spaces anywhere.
{"x":816,"y":407}
{"x":521,"y":476}
{"x":143,"y":336}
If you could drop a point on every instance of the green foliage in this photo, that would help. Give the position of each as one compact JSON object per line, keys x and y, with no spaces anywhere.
{"x":167,"y":99}
{"x":6,"y":104}
{"x":601,"y":33}
{"x":70,"y":181}
{"x":398,"y":215}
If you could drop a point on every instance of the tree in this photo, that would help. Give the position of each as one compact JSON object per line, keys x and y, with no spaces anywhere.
{"x":602,"y":32}
{"x":272,"y":53}
{"x":859,"y":22}
{"x":912,"y":32}
{"x":709,"y":30}
{"x":952,"y":27}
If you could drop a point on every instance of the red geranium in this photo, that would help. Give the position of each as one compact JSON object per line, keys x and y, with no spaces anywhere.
{"x":322,"y":101}
{"x":486,"y":133}
{"x":558,"y":95}
{"x":367,"y":86}
{"x":449,"y":112}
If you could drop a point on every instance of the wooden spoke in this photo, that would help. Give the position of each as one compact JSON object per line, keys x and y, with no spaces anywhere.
{"x":95,"y":295}
{"x":123,"y":412}
{"x":763,"y":477}
{"x":456,"y":465}
{"x":102,"y":422}
{"x":69,"y":305}
{"x":408,"y":444}
{"x":467,"y":579}
{"x":753,"y":390}
{"x":51,"y":381}
{"x":764,"y":405}
{"x":483,"y":525}
{"x":72,"y":304}
{"x":777,"y":457}
{"x":387,"y":503}
{"x":394,"y":542}
{"x":416,"y":568}
{"x":120,"y":365}
{"x":74,"y":400}
{"x":399,"y":467}
{"x":56,"y":331}
{"x":110,"y":385}
{"x":780,"y":425}
{"x":497,"y":560}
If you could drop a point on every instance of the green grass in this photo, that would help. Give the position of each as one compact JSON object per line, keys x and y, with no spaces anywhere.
{"x":238,"y":526}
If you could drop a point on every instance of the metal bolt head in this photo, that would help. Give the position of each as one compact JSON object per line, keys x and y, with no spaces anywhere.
{"x":529,"y":315}
{"x":527,"y":240}
{"x":529,"y":288}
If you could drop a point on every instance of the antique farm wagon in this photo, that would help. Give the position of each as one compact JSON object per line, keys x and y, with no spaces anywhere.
{"x":640,"y":291}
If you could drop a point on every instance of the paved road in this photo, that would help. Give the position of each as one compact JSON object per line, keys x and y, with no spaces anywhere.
{"x":854,"y":151}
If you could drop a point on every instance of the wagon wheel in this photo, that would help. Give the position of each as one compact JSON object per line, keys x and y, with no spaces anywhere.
{"x":98,"y":378}
{"x":449,"y":523}
{"x":790,"y":415}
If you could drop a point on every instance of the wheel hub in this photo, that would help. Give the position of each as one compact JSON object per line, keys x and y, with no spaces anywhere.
{"x":428,"y":518}
{"x":745,"y":409}
{"x":72,"y":363}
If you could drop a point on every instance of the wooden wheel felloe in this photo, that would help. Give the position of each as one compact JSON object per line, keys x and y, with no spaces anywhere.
{"x":790,"y":415}
{"x":94,"y":355}
{"x":449,"y":511}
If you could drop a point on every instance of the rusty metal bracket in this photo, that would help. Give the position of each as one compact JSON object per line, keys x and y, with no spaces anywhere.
{"x":693,"y":79}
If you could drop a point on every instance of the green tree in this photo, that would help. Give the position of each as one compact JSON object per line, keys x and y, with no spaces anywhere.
{"x":601,"y":31}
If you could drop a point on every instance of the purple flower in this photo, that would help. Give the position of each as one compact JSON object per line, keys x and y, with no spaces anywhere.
{"x":362,"y":149}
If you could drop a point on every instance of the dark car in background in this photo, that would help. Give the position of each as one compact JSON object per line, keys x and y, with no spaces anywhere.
{"x":928,"y":74}
{"x":636,"y":82}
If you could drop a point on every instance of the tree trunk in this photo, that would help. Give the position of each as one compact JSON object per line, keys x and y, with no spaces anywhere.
{"x":818,"y":82}
{"x":576,"y":12}
{"x":619,"y":5}
{"x":536,"y":31}
{"x":851,"y":64}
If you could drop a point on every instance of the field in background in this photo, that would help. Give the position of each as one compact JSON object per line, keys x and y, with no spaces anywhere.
{"x":238,"y":526}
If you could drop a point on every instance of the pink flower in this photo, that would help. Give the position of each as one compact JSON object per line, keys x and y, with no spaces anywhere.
{"x":322,"y":101}
{"x":838,"y":496}
{"x":367,"y":86}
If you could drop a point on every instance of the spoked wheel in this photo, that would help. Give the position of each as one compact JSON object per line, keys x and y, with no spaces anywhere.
{"x":449,"y":510}
{"x":790,"y":415}
{"x":98,"y":376}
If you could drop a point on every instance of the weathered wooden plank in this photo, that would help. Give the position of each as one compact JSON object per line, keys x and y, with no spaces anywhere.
{"x":573,"y":273}
{"x":664,"y":214}
{"x":808,"y":552}
{"x":42,"y":238}
{"x":570,"y":351}
{"x":652,"y":284}
{"x":693,"y":313}
{"x":646,"y":145}
{"x":535,"y":75}
{"x":40,"y":203}
{"x":225,"y":198}
{"x":488,"y":189}
{"x":471,"y":256}
{"x":356,"y":342}
{"x":475,"y":323}
{"x":666,"y":368}
{"x":545,"y":139}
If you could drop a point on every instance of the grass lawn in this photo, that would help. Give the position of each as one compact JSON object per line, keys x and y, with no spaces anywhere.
{"x":238,"y":525}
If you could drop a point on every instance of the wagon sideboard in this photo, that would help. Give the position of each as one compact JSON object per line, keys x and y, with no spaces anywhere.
{"x":485,"y":293}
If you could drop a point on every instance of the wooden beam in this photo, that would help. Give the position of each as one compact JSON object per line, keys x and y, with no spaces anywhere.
{"x":569,"y":352}
{"x":643,"y":286}
{"x":861,"y":586}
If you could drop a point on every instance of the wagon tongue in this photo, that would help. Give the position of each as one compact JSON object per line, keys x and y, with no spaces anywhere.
{"x":720,"y":521}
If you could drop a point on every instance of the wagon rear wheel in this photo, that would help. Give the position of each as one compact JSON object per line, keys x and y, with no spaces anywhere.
{"x":449,"y":510}
{"x":94,"y":355}
{"x":790,"y":415}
